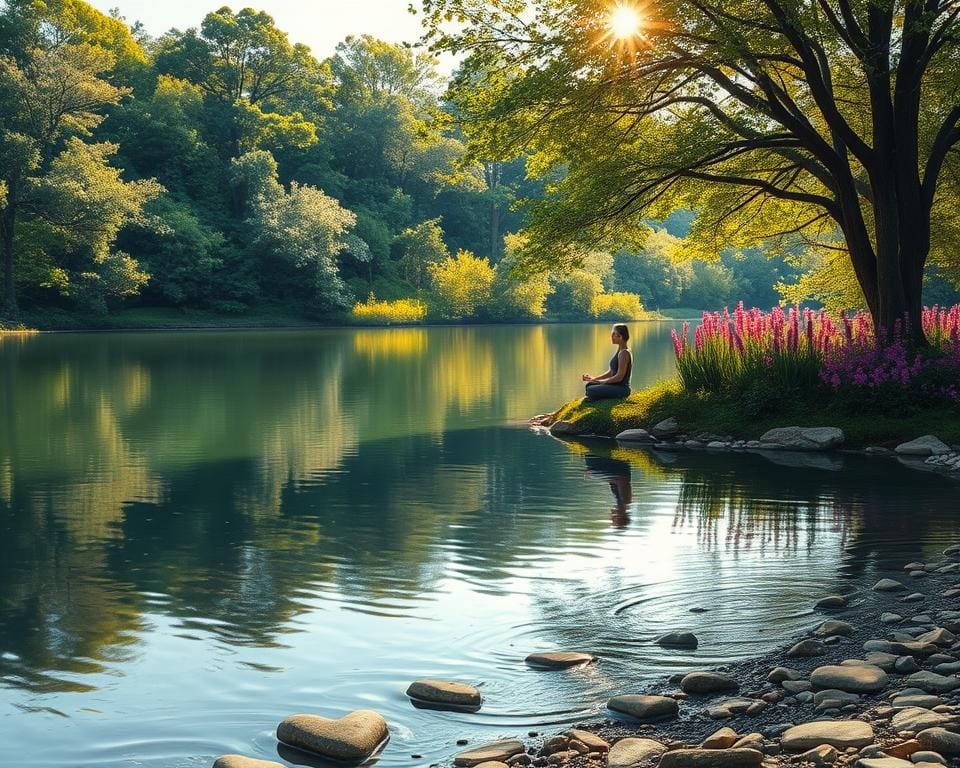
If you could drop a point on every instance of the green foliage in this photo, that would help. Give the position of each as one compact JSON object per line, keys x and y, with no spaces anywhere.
{"x":617,"y":306}
{"x":419,"y":247}
{"x":574,"y":293}
{"x":515,"y":296}
{"x":462,"y":285}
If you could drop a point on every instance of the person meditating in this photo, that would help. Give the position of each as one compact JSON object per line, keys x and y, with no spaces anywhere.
{"x":615,"y":382}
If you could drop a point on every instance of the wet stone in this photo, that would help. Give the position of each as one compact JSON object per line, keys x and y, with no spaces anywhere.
{"x":926,"y":756}
{"x":940,"y":740}
{"x":831,"y":602}
{"x":721,"y":739}
{"x":498,"y":751}
{"x":629,"y":752}
{"x":834,"y":627}
{"x":922,"y":700}
{"x":239,"y":761}
{"x":888,"y":585}
{"x":918,"y":719}
{"x":859,"y":679}
{"x":677,"y":640}
{"x":906,"y":664}
{"x":931,"y":682}
{"x":822,"y":755}
{"x":807,"y":649}
{"x":559,"y":659}
{"x":779,"y":674}
{"x":837,"y":733}
{"x":591,"y":740}
{"x":442,"y":692}
{"x":707,"y":682}
{"x":712,"y":758}
{"x":352,"y":738}
{"x":642,"y":707}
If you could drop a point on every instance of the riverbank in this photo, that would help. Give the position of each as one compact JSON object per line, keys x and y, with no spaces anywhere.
{"x":717,"y":417}
{"x":873,"y":683}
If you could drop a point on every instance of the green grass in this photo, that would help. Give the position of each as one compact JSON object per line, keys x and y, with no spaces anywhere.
{"x":704,"y":413}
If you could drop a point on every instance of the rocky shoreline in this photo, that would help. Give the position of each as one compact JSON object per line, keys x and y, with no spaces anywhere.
{"x":874,"y":684}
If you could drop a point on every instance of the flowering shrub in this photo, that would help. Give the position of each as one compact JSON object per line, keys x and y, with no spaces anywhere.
{"x":616,"y":306}
{"x":377,"y":312}
{"x":768,"y":359}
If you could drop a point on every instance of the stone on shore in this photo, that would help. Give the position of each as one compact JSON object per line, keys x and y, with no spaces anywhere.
{"x":831,"y":601}
{"x":666,"y":428}
{"x":926,"y":756}
{"x":677,"y":640}
{"x":890,"y":618}
{"x":564,"y":428}
{"x":733,"y":706}
{"x":441,"y":692}
{"x":883,"y":762}
{"x":497,"y":751}
{"x":940,"y":740}
{"x":779,"y":674}
{"x":707,"y":682}
{"x":721,"y":739}
{"x":832,"y":627}
{"x":594,"y":742}
{"x":837,"y":733}
{"x":239,"y":761}
{"x":630,"y":752}
{"x":937,"y":636}
{"x":888,"y":585}
{"x":822,"y":755}
{"x":860,"y":679}
{"x":351,"y":738}
{"x":636,"y":436}
{"x":928,"y":445}
{"x":918,"y":719}
{"x":804,"y":438}
{"x":833,"y":698}
{"x":925,"y":701}
{"x":931,"y":682}
{"x":559,"y":659}
{"x":807,"y":649}
{"x":902,"y":750}
{"x":712,"y":758}
{"x":642,"y":707}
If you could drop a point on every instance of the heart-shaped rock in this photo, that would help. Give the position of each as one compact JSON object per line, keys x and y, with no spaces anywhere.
{"x":353,"y":738}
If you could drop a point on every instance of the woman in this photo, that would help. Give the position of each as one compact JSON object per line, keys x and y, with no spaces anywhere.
{"x":615,"y":382}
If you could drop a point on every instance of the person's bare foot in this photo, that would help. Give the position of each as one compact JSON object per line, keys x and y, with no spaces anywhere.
{"x":543,"y":420}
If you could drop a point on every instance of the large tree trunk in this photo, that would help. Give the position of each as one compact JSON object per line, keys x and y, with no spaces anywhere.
{"x":8,"y":307}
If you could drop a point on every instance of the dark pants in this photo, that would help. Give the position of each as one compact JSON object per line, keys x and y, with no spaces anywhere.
{"x":597,"y":391}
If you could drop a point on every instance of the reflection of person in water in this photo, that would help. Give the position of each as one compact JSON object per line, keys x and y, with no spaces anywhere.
{"x":617,"y":474}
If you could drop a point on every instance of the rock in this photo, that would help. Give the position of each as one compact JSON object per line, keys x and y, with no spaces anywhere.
{"x":636,"y":436}
{"x":722,"y":739}
{"x":730,"y":707}
{"x":591,"y":740}
{"x":564,"y":428}
{"x":804,"y":438}
{"x":779,"y":674}
{"x":887,"y":585}
{"x":666,"y":428}
{"x":906,"y":664}
{"x":940,"y":740}
{"x":707,"y":682}
{"x":886,"y":661}
{"x":626,"y":753}
{"x":918,"y":719}
{"x":833,"y":698}
{"x":830,"y":602}
{"x":750,"y":741}
{"x":712,"y":758}
{"x":913,"y":597}
{"x":796,"y":686}
{"x":883,"y":762}
{"x":931,"y":682}
{"x":644,"y":707}
{"x":865,"y":679}
{"x":926,"y":756}
{"x":834,"y":627}
{"x":497,"y":751}
{"x":442,"y":692}
{"x":837,"y":733}
{"x":239,"y":761}
{"x":890,"y":618}
{"x":806,"y":649}
{"x":924,"y":701}
{"x":938,"y":636}
{"x":559,"y":659}
{"x":492,"y":764}
{"x":947,"y":668}
{"x":677,"y":640}
{"x":900,"y":649}
{"x":903,"y":750}
{"x":352,"y":738}
{"x":555,"y":744}
{"x":822,"y":755}
{"x":928,"y":445}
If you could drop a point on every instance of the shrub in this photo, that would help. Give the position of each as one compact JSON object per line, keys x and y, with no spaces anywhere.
{"x":462,"y":284}
{"x":616,"y":306}
{"x":374,"y":312}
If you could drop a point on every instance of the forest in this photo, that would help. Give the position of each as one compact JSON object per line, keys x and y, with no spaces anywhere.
{"x":227,"y":171}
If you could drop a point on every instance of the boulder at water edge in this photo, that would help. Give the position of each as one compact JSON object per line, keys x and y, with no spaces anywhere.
{"x":636,"y":436}
{"x":707,"y":682}
{"x":928,"y":445}
{"x":677,"y":640}
{"x":559,"y":659}
{"x":439,"y":693}
{"x":837,"y":733}
{"x":239,"y":761}
{"x":630,"y":752}
{"x":499,"y":751}
{"x":804,"y":438}
{"x":352,"y":738}
{"x":642,"y":707}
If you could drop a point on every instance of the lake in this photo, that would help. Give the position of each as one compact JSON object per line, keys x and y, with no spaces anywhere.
{"x":202,"y":533}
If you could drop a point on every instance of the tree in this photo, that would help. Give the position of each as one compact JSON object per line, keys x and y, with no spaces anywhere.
{"x":655,"y":272}
{"x":462,"y":284}
{"x":62,"y":189}
{"x":771,"y":119}
{"x":514,"y":295}
{"x":421,"y":246}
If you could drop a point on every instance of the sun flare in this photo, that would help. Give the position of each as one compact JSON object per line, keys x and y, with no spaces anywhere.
{"x":624,"y":21}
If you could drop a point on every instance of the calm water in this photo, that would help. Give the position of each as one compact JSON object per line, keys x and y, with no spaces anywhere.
{"x":201,"y":533}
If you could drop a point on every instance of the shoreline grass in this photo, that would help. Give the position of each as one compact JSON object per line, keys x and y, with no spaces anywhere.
{"x":702,"y":412}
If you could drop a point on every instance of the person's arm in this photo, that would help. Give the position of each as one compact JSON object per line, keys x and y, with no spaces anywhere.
{"x":623,"y":366}
{"x":602,"y":377}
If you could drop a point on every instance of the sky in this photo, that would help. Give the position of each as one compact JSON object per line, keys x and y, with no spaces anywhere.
{"x":321,"y":24}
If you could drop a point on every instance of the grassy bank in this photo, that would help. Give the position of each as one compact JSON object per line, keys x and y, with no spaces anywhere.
{"x":705,"y":413}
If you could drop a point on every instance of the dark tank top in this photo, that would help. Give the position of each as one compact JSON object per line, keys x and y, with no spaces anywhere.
{"x":614,"y":369}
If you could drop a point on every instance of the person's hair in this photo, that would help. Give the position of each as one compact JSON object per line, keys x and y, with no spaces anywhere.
{"x":623,"y":331}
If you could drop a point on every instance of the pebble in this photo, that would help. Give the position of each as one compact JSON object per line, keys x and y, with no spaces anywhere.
{"x":779,"y":674}
{"x":931,"y":682}
{"x":591,"y":740}
{"x":677,"y":640}
{"x":926,"y":756}
{"x":806,"y":649}
{"x":834,"y":699}
{"x":837,"y":733}
{"x":888,"y":585}
{"x":239,"y":761}
{"x":721,"y":739}
{"x":796,"y":686}
{"x":627,"y":753}
{"x":559,"y":659}
{"x":351,"y":738}
{"x":902,"y":750}
{"x":729,"y":708}
{"x":834,"y":627}
{"x":890,"y":618}
{"x":938,"y":636}
{"x":906,"y":664}
{"x":822,"y":755}
{"x":750,"y":741}
{"x":913,"y":597}
{"x":644,"y":707}
{"x":854,"y":679}
{"x":497,"y":751}
{"x":923,"y":700}
{"x":918,"y":719}
{"x":712,"y":758}
{"x":707,"y":682}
